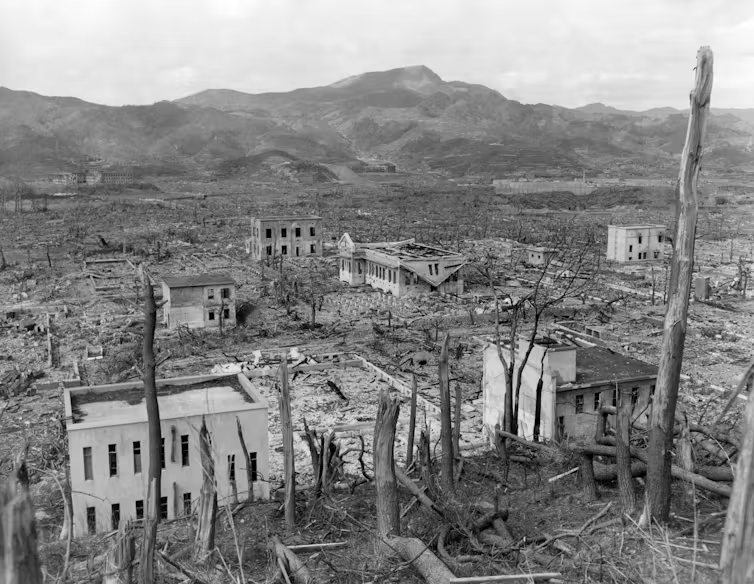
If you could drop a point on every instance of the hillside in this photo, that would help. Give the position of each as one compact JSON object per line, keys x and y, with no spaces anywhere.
{"x":409,"y":116}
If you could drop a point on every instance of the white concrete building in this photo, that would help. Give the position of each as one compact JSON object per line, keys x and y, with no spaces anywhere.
{"x":400,"y":267}
{"x":108,"y":446}
{"x":630,"y":243}
{"x":199,"y":301}
{"x":573,"y":381}
{"x":286,"y":236}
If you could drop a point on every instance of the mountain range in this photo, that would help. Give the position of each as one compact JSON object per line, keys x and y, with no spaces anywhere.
{"x":409,"y":116}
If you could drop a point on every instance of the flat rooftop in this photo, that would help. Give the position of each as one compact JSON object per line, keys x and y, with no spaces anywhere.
{"x":639,"y":226}
{"x":595,"y":365}
{"x":123,"y":403}
{"x":195,"y":280}
{"x":288,"y":218}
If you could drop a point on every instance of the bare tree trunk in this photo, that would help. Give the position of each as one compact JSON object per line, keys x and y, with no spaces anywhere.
{"x":249,"y":472}
{"x":446,"y":428}
{"x":457,"y":426}
{"x":411,"y":423}
{"x":388,"y":514}
{"x":155,"y":435}
{"x":674,"y":329}
{"x":588,"y":484}
{"x":19,"y":560}
{"x":738,"y":534}
{"x":3,"y":264}
{"x":284,"y":399}
{"x":623,"y":450}
{"x":67,"y":528}
{"x":204,"y":542}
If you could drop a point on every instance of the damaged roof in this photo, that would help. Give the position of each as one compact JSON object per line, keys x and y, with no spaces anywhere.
{"x":599,"y":366}
{"x":194,"y":280}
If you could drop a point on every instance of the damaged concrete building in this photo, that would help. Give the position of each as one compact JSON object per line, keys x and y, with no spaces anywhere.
{"x":400,"y":268}
{"x":108,"y":447}
{"x":289,"y":236}
{"x":574,"y":379}
{"x":628,"y":243}
{"x":199,"y":301}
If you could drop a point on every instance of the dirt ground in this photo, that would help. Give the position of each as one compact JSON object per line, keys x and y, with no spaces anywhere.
{"x":195,"y":227}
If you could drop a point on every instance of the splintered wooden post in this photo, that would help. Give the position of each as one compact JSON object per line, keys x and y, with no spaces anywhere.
{"x":674,"y":328}
{"x":388,"y":513}
{"x":249,"y":471}
{"x":738,"y":534}
{"x":284,"y":400}
{"x":120,"y":558}
{"x":19,"y":560}
{"x":588,"y":484}
{"x":411,"y":423}
{"x":204,"y":541}
{"x":457,"y":425}
{"x":446,"y":432}
{"x":622,"y":446}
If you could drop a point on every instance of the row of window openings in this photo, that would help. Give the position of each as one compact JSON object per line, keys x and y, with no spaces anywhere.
{"x":224,"y":293}
{"x":284,"y":232}
{"x":91,"y":512}
{"x":643,"y":255}
{"x":284,"y":249}
{"x":211,"y":314}
{"x":640,"y":238}
{"x":112,"y":456}
{"x":634,"y":399}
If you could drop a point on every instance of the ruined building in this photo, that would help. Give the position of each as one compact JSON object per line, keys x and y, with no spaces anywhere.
{"x":199,"y":301}
{"x":286,"y":236}
{"x":108,"y":447}
{"x":574,"y":379}
{"x":401,"y":267}
{"x":628,"y":243}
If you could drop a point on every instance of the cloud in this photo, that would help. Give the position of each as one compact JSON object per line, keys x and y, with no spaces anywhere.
{"x":629,"y":54}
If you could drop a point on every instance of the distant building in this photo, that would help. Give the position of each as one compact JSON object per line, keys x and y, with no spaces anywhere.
{"x":387,"y":167}
{"x":536,"y":255}
{"x":67,"y":178}
{"x":199,"y":301}
{"x":401,"y":267}
{"x":108,"y":447}
{"x":116,"y":177}
{"x":574,"y":379}
{"x":628,"y":243}
{"x":285,"y":236}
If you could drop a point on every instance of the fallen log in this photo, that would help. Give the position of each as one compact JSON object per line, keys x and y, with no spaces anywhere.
{"x":538,"y":446}
{"x":606,"y":472}
{"x":675,"y":471}
{"x":294,"y":567}
{"x":415,"y":552}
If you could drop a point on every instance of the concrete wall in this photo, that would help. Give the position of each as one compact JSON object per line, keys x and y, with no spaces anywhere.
{"x":631,"y":244}
{"x":127,"y":487}
{"x":290,"y":245}
{"x":493,"y":389}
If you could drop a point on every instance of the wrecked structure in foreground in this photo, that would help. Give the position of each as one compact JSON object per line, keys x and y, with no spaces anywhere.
{"x":400,"y":268}
{"x":574,"y":379}
{"x":108,"y":446}
{"x":199,"y":301}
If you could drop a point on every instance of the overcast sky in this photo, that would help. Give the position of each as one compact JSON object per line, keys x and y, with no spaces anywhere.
{"x":632,"y":54}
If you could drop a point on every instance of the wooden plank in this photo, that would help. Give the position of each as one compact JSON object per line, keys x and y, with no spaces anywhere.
{"x":505,"y":578}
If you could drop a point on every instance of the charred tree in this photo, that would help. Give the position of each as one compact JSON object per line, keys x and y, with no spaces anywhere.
{"x":411,"y":423}
{"x":152,"y":515}
{"x":284,"y":400}
{"x":623,"y":450}
{"x":738,"y":535}
{"x":204,"y":542}
{"x":674,"y":329}
{"x":388,"y":514}
{"x":446,"y":427}
{"x":249,"y":471}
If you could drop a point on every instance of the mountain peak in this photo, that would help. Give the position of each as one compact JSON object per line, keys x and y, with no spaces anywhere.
{"x":418,"y":78}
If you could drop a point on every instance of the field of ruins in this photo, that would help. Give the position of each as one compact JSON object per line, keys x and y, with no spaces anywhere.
{"x":72,"y":315}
